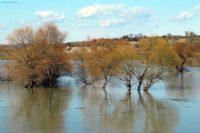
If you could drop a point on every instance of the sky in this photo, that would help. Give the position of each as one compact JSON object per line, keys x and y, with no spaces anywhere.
{"x":102,"y":18}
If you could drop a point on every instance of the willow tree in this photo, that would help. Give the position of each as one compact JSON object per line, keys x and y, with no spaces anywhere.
{"x":23,"y":53}
{"x":126,"y":56}
{"x":184,"y":51}
{"x":53,"y":60}
{"x":83,"y":68}
{"x":102,"y":59}
{"x":40,"y":55}
{"x":156,"y":57}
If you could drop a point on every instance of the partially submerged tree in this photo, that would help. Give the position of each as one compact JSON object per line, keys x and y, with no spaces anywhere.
{"x":148,"y":63}
{"x":51,"y":64}
{"x":126,"y":56}
{"x":83,"y":68}
{"x":155,"y":60}
{"x":163,"y":60}
{"x":53,"y":60}
{"x":24,"y":55}
{"x":102,"y":59}
{"x":184,"y":51}
{"x":40,"y":56}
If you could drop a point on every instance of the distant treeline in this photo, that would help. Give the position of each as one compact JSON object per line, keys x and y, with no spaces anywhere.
{"x":190,"y":36}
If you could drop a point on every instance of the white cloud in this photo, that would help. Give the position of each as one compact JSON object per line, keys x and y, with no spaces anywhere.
{"x":115,"y":14}
{"x":184,"y":16}
{"x":187,"y":15}
{"x":49,"y":16}
{"x":196,"y":8}
{"x":136,"y":11}
{"x":98,"y":9}
{"x":137,"y":14}
{"x":112,"y":22}
{"x":87,"y":25}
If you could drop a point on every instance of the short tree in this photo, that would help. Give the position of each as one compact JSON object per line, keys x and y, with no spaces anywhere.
{"x":184,"y":51}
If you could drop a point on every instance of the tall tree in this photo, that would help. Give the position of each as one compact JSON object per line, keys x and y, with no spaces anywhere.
{"x":155,"y":58}
{"x":23,"y":53}
{"x":102,"y":60}
{"x":51,"y":53}
{"x":126,"y":56}
{"x":40,"y":56}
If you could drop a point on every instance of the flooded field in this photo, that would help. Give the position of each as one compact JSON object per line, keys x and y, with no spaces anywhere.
{"x":169,"y":107}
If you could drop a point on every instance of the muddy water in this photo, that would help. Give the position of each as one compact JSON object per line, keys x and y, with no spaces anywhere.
{"x":170,"y":107}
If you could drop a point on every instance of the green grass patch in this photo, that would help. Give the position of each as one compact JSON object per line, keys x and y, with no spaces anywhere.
{"x":3,"y":58}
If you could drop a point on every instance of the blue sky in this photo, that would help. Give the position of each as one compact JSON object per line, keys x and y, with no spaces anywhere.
{"x":102,"y":18}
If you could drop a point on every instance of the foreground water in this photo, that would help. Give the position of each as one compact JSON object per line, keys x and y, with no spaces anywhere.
{"x":170,"y":107}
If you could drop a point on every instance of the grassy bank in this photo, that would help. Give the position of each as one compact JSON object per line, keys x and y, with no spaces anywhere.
{"x":3,"y":58}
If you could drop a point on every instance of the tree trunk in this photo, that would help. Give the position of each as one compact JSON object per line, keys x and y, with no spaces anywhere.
{"x":51,"y":84}
{"x":146,"y":88}
{"x":50,"y":79}
{"x":128,"y":85}
{"x":181,"y":66}
{"x":140,"y":79}
{"x":104,"y":85}
{"x":106,"y":94}
{"x":106,"y":80}
{"x":30,"y":84}
{"x":139,"y":85}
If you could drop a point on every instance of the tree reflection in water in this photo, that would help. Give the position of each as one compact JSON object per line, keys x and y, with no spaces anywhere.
{"x":37,"y":111}
{"x":140,"y":113}
{"x":183,"y":86}
{"x":48,"y":111}
{"x":160,"y":116}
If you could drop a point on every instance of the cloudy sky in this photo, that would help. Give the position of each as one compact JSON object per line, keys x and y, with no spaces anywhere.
{"x":102,"y":18}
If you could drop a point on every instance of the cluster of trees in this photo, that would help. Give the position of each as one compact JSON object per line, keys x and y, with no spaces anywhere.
{"x":132,"y":37}
{"x":150,"y":62}
{"x":39,"y":55}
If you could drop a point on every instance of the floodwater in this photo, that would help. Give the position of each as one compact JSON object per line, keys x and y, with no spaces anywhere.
{"x":169,"y":107}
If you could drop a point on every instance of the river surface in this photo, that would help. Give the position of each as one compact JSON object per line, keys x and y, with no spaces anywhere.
{"x":169,"y":107}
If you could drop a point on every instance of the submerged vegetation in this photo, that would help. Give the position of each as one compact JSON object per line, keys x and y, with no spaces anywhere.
{"x":41,"y":56}
{"x":148,"y":63}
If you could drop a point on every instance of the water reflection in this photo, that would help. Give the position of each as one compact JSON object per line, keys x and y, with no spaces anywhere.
{"x":184,"y":86}
{"x":140,"y":113}
{"x":39,"y":110}
{"x":91,"y":110}
{"x":160,"y":116}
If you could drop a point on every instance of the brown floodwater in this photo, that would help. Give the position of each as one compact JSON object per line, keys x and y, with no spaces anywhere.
{"x":172,"y":106}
